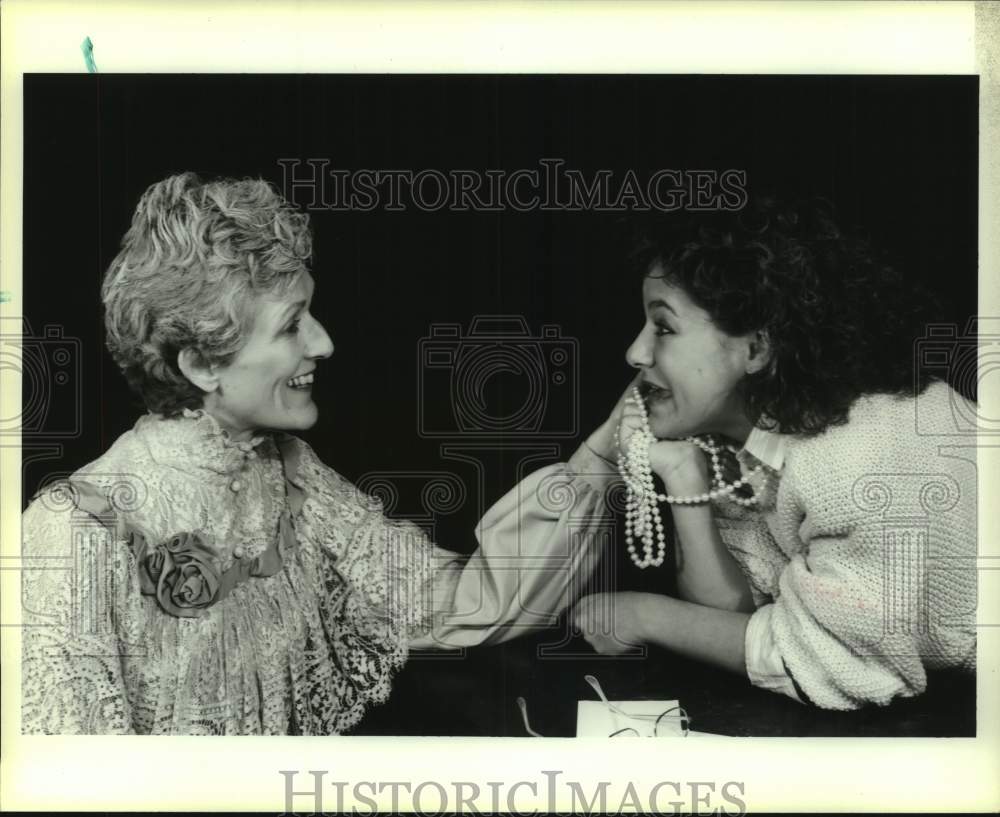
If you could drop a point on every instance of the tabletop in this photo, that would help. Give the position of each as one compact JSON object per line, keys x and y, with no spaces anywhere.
{"x":475,"y":694}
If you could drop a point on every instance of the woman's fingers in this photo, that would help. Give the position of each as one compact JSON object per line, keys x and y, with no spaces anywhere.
{"x":630,"y":423}
{"x":678,"y":463}
{"x":625,"y":397}
{"x":632,"y":409}
{"x":604,"y":440}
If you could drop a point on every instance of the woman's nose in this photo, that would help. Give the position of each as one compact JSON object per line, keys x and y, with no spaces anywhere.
{"x":639,"y":355}
{"x":320,"y":345}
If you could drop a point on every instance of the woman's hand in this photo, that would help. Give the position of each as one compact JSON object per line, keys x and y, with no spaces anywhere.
{"x":612,"y":623}
{"x":603,"y":439}
{"x":681,"y":465}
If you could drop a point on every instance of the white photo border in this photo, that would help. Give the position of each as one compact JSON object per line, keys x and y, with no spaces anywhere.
{"x":102,"y":773}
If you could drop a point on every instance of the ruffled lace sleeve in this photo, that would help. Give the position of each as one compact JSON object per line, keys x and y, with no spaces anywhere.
{"x":369,"y":576}
{"x":538,"y":546}
{"x":77,"y":595}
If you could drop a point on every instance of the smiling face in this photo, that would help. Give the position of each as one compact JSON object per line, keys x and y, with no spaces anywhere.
{"x":268,"y":385}
{"x":691,"y":369}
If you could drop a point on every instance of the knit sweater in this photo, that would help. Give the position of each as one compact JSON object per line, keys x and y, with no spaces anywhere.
{"x":862,"y":558}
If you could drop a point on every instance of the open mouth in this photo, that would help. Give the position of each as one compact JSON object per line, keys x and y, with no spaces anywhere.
{"x":651,"y":393}
{"x":303,"y":381}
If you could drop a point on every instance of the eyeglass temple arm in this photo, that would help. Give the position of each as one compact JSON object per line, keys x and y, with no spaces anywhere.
{"x":683,"y":716}
{"x":590,"y":679}
{"x":523,"y":706}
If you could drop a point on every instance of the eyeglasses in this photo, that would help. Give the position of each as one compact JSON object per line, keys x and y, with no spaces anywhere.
{"x":673,"y":715}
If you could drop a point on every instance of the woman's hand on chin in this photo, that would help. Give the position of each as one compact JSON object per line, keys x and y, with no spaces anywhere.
{"x":680,"y":464}
{"x":612,"y":623}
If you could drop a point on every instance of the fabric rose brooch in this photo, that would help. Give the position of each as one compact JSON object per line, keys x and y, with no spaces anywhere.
{"x":185,"y":573}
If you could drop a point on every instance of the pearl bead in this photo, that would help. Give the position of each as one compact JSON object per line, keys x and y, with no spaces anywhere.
{"x":642,"y":513}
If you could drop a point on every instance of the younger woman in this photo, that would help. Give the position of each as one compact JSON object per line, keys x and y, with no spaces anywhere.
{"x":825,"y":534}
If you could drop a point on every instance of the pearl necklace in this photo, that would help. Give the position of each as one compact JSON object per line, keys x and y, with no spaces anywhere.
{"x":642,"y":513}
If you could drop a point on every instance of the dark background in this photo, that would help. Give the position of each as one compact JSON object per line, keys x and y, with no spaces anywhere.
{"x":896,"y":155}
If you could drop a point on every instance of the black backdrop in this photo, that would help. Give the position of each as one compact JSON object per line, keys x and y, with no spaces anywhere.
{"x":895,"y":154}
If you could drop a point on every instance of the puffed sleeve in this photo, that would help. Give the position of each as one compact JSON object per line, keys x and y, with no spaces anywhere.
{"x":77,"y":577}
{"x":394,"y":589}
{"x":538,"y":545}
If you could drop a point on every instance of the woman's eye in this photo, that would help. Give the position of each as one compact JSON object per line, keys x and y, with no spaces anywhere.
{"x":293,"y":327}
{"x":662,"y":329}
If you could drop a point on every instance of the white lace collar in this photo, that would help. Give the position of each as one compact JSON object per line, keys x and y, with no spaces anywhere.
{"x":195,"y":440}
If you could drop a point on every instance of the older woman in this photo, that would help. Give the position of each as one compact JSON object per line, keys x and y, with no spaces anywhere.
{"x":208,"y":574}
{"x":825,"y":518}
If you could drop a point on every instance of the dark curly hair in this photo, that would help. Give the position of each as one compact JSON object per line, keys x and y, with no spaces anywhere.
{"x":840,"y":320}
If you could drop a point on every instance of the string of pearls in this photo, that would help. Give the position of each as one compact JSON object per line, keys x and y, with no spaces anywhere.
{"x":642,"y":512}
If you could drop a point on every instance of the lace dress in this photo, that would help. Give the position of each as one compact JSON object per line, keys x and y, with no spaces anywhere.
{"x":184,"y":583}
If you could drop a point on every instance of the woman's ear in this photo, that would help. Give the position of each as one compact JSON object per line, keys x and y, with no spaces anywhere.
{"x":758,"y":352}
{"x":194,"y":367}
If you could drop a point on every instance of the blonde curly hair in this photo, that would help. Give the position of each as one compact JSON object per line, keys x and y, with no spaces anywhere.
{"x":192,"y":264}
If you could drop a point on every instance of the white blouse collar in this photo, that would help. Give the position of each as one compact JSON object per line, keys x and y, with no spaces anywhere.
{"x":767,"y":447}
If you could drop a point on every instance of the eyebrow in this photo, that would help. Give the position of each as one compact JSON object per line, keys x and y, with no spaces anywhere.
{"x":298,"y":305}
{"x":658,"y":302}
{"x":291,"y":308}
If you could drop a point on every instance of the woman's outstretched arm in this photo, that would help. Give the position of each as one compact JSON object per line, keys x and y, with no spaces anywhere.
{"x":615,"y":622}
{"x":538,"y":547}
